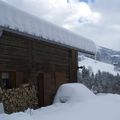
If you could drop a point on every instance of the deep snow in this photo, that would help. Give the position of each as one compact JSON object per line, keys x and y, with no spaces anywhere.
{"x":101,"y":107}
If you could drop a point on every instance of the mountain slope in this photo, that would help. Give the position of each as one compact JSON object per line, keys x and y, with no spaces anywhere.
{"x":108,"y":55}
{"x":95,"y":65}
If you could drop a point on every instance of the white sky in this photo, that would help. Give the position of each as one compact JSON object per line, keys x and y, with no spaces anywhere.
{"x":99,"y":21}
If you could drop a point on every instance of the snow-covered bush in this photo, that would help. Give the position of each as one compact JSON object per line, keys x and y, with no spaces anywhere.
{"x":73,"y":92}
{"x":101,"y":82}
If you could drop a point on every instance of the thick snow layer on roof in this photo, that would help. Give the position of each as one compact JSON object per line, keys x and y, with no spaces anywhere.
{"x":18,"y":20}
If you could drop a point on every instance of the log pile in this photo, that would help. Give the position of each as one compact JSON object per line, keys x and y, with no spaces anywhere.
{"x":19,"y":99}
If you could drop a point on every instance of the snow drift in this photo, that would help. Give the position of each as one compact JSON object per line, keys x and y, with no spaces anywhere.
{"x":102,"y":107}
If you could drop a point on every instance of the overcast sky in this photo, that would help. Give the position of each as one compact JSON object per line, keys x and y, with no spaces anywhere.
{"x":98,"y":20}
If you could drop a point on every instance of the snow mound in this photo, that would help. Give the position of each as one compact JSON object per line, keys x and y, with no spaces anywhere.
{"x":18,"y":20}
{"x":73,"y":92}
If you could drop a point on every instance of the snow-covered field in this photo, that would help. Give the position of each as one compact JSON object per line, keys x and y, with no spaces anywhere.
{"x":92,"y":107}
{"x":95,"y":65}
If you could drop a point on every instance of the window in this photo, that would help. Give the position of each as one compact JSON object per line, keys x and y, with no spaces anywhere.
{"x":7,"y":80}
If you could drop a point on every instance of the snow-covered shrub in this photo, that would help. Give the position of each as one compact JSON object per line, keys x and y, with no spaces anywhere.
{"x":101,"y":82}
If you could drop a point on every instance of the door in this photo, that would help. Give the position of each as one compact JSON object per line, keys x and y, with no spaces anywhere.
{"x":40,"y":89}
{"x":61,"y":78}
{"x":49,"y":88}
{"x":47,"y":85}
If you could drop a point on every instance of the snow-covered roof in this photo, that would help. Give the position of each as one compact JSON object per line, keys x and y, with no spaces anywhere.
{"x":18,"y":20}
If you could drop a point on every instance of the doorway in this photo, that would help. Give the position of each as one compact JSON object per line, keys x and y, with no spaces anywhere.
{"x":40,"y":89}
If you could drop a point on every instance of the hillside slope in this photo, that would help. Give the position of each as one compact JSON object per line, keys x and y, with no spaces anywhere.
{"x":95,"y":65}
{"x":108,"y":55}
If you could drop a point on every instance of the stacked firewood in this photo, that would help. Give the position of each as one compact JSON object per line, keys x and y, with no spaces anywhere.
{"x":19,"y":99}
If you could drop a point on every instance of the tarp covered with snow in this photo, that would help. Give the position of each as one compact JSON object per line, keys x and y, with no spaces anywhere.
{"x":18,"y":20}
{"x":73,"y":92}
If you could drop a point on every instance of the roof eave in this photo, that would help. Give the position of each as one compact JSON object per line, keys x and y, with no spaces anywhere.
{"x":2,"y":29}
{"x":1,"y":32}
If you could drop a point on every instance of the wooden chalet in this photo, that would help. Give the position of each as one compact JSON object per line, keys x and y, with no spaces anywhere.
{"x":40,"y":55}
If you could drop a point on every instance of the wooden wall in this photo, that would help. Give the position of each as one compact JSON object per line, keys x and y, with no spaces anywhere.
{"x":30,"y":58}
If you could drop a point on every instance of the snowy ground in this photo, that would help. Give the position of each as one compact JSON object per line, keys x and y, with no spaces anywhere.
{"x":100,"y":107}
{"x":97,"y":65}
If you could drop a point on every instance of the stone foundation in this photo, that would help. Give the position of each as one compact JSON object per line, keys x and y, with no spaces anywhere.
{"x":19,"y":99}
